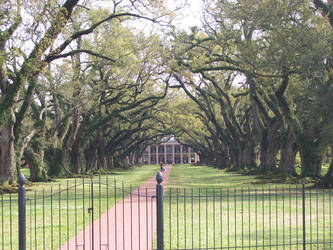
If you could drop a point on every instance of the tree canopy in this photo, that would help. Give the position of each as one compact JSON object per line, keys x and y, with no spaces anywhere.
{"x":84,"y":87}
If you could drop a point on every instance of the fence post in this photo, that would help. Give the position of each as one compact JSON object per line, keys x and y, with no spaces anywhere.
{"x":159,"y":205}
{"x":22,"y":218}
{"x":303,"y":212}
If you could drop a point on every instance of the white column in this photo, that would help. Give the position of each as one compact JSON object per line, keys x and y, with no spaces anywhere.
{"x":196,"y":157}
{"x":148,"y":154}
{"x":165,"y":154}
{"x":157,"y":154}
{"x":181,"y":154}
{"x":189,"y":154}
{"x":173,"y":153}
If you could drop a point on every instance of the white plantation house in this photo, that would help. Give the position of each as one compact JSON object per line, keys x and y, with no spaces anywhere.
{"x":169,"y":152}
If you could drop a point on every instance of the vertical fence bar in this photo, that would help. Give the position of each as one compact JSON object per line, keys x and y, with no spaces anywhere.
{"x":185,"y":218}
{"x":177,"y":195}
{"x":221,"y":218}
{"x":59,"y":207}
{"x":123,"y":198}
{"x":83,"y":215}
{"x":147,"y":222}
{"x":131,"y":197}
{"x":276,"y":217}
{"x":35,"y":205}
{"x":30,"y":220}
{"x":107,"y":214}
{"x":330,"y":205}
{"x":43,"y":204}
{"x":249,"y":208}
{"x":283,"y":228}
{"x":289,"y":214}
{"x":67,"y":198}
{"x":75,"y":216}
{"x":317,"y":225}
{"x":10,"y":221}
{"x":206,"y":218}
{"x":310,"y":205}
{"x":213,"y":217}
{"x":2,"y":225}
{"x":235,"y":208}
{"x":263,"y":216}
{"x":199,"y":219}
{"x":242,"y":200}
{"x":115,"y":215}
{"x":152,"y":220}
{"x":92,"y":214}
{"x":170,"y":204}
{"x":52,"y":218}
{"x":191,"y":216}
{"x":99,"y":211}
{"x":296,"y":214}
{"x":256,"y":215}
{"x":270,"y":217}
{"x":159,"y":212}
{"x":22,"y":215}
{"x":139,"y":217}
{"x":228,"y":216}
{"x":324,"y":216}
{"x":303,"y":212}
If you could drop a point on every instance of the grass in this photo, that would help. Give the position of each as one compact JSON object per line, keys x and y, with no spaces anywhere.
{"x":57,"y":210}
{"x":220,"y":209}
{"x":204,"y":208}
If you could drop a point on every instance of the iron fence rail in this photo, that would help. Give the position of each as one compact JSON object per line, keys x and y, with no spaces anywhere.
{"x":60,"y":217}
{"x":259,"y":217}
{"x":262,"y":217}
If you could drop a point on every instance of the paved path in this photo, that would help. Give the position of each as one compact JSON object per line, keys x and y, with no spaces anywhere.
{"x":130,"y":225}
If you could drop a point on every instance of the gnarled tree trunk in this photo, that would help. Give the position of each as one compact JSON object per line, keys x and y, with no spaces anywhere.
{"x":310,"y":156}
{"x":269,"y":148}
{"x":36,"y":165}
{"x":288,"y":154}
{"x":7,"y":154}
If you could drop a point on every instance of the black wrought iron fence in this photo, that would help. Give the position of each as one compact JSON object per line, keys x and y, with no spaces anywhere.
{"x":79,"y":214}
{"x":261,"y":217}
{"x":100,"y":213}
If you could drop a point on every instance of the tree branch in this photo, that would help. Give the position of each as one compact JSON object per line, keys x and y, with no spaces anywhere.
{"x":50,"y":58}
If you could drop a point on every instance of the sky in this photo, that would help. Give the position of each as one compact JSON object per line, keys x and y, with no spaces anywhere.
{"x":190,"y":15}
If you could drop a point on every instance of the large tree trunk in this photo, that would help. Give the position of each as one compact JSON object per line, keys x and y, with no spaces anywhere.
{"x":101,"y":151}
{"x":67,"y":147}
{"x":91,"y":157}
{"x":220,"y":158}
{"x":311,"y":158}
{"x":76,"y":158}
{"x":207,"y":158}
{"x":288,"y":155}
{"x":328,"y":179}
{"x":7,"y":154}
{"x":36,"y":165}
{"x":109,"y":161}
{"x":76,"y":154}
{"x":245,"y":155}
{"x":269,"y":148}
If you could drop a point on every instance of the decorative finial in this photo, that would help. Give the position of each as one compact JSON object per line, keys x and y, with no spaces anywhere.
{"x":21,"y":179}
{"x":159,"y":177}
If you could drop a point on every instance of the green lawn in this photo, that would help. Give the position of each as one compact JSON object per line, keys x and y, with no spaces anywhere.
{"x":203,"y":208}
{"x":64,"y":204}
{"x":209,"y":208}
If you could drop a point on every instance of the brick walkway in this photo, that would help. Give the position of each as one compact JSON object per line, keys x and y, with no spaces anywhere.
{"x":130,"y":225}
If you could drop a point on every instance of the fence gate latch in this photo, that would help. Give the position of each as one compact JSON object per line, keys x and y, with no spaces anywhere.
{"x":90,"y":209}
